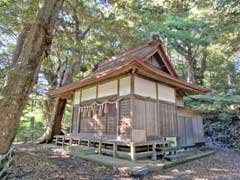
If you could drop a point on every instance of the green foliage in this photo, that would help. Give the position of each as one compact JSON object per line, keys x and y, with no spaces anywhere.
{"x":222,"y":118}
{"x":90,"y":32}
{"x":33,"y":122}
{"x":224,"y":126}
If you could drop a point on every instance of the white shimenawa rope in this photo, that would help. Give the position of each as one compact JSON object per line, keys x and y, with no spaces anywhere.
{"x":98,"y":104}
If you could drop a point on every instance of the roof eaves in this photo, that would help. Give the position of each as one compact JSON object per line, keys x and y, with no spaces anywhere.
{"x":176,"y":80}
{"x":129,"y":64}
{"x":90,"y":79}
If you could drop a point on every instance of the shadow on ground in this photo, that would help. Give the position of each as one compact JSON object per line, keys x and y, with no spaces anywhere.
{"x":41,"y":162}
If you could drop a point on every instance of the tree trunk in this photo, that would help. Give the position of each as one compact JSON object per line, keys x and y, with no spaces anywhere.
{"x":199,"y":72}
{"x":54,"y":123}
{"x":57,"y":127}
{"x":191,"y":72}
{"x":20,"y":42}
{"x":22,"y":77}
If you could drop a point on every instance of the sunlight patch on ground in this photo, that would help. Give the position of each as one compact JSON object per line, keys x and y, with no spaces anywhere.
{"x":163,"y":177}
{"x":189,"y":171}
{"x":220,"y":170}
{"x":61,"y":152}
{"x":175,"y":170}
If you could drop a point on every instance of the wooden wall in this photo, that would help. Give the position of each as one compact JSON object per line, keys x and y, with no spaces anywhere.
{"x":156,"y":117}
{"x":106,"y":124}
{"x":75,"y":120}
{"x":125,"y":124}
{"x":145,"y":105}
{"x":167,"y":119}
{"x":190,"y":130}
{"x":109,"y":123}
{"x":198,"y":129}
{"x":145,"y":116}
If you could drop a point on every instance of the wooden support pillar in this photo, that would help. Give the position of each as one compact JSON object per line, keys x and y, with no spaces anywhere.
{"x":132,"y":100}
{"x":63,"y":140}
{"x":89,"y":143}
{"x":133,"y":151}
{"x":157,"y":118}
{"x":114,"y":150}
{"x":79,"y":142}
{"x":118,"y":118}
{"x":154,"y":153}
{"x":100,"y":147}
{"x":117,"y":108}
{"x":70,"y":141}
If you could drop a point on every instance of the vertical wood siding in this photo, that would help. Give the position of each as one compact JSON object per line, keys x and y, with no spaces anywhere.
{"x":75,"y":120}
{"x":125,"y":121}
{"x":107,"y":124}
{"x":145,"y":117}
{"x":167,"y":119}
{"x":111,"y":119}
{"x":181,"y":132}
{"x":198,"y":129}
{"x":146,"y":114}
{"x":190,"y":130}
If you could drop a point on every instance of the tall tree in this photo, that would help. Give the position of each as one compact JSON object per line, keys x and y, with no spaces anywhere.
{"x":175,"y":21}
{"x":89,"y":35}
{"x":21,"y":78}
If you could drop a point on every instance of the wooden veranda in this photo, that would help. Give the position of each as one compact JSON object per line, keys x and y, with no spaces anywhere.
{"x":111,"y":146}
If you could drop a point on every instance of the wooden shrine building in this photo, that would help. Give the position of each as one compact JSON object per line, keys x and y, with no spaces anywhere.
{"x":134,"y":98}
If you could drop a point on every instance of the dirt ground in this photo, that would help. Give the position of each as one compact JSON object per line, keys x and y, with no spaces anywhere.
{"x":36,"y":163}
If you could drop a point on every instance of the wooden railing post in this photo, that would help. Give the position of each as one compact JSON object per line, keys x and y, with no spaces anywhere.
{"x":114,"y":149}
{"x":154,"y":153}
{"x":133,"y":151}
{"x":100,"y":147}
{"x":56,"y":140}
{"x":63,"y":141}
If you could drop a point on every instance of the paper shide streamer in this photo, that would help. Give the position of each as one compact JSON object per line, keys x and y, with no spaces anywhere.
{"x":97,"y":108}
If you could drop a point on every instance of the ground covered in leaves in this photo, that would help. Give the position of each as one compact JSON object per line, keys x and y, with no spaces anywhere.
{"x":41,"y":163}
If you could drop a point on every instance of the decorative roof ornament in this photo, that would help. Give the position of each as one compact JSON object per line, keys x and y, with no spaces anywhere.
{"x":156,"y":37}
